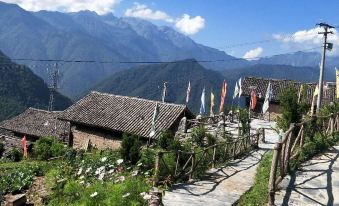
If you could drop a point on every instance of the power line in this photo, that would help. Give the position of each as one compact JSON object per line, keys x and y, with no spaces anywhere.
{"x":150,"y":62}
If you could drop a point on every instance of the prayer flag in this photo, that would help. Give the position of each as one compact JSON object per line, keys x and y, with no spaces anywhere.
{"x":212,"y":104}
{"x":154,"y":119}
{"x":236,"y":90}
{"x":253,"y":99}
{"x":223,"y":95}
{"x":188,"y":92}
{"x":202,"y":107}
{"x":268,"y":97}
{"x":24,"y":145}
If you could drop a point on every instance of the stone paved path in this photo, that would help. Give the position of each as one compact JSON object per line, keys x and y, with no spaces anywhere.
{"x":224,"y":186}
{"x":317,"y":182}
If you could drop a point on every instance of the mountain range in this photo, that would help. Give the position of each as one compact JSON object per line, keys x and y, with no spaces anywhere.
{"x":116,"y":44}
{"x":86,"y":35}
{"x":21,"y":88}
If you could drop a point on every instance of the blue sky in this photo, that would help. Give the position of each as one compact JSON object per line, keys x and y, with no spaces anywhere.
{"x":223,"y":23}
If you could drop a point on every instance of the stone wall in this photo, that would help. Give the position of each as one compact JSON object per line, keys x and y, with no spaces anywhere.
{"x":98,"y":138}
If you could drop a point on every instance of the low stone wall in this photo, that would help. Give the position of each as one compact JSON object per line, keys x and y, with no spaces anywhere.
{"x":82,"y":137}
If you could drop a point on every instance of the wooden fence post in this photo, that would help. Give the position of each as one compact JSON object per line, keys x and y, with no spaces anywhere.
{"x":263,"y":135}
{"x":214,"y":150}
{"x":273,"y":173}
{"x":257,"y":139}
{"x":332,"y":124}
{"x":234,"y":149}
{"x":157,"y":168}
{"x":192,"y":167}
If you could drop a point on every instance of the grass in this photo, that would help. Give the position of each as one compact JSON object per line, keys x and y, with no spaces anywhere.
{"x":258,"y":194}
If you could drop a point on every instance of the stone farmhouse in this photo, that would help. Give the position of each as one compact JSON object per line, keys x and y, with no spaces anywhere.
{"x":34,"y":123}
{"x":278,"y":85}
{"x":100,"y":119}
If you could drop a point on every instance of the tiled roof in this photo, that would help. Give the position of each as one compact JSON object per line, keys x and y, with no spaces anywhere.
{"x":278,"y":85}
{"x":123,"y":114}
{"x":36,"y":122}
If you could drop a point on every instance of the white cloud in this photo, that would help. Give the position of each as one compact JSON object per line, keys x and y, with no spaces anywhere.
{"x":99,"y":6}
{"x":253,"y":53}
{"x":306,"y":39}
{"x":143,"y":12}
{"x":190,"y":26}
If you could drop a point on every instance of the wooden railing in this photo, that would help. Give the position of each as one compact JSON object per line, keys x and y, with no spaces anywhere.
{"x":289,"y":147}
{"x":187,"y":163}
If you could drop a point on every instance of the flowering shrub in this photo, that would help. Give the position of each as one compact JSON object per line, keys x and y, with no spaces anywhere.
{"x":100,"y":178}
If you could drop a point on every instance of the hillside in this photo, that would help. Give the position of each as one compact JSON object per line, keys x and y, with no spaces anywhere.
{"x":21,"y":88}
{"x":147,"y":81}
{"x":86,"y":35}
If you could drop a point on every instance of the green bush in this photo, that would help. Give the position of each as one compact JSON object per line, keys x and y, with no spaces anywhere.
{"x":291,"y":110}
{"x":130,"y":148}
{"x":245,"y":121}
{"x":165,"y":140}
{"x":175,"y":145}
{"x":2,"y":148}
{"x":198,"y":136}
{"x":211,"y":140}
{"x":148,"y":158}
{"x":45,"y":148}
{"x":167,"y":166}
{"x":15,"y":155}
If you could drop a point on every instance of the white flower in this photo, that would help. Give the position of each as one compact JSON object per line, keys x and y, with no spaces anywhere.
{"x":126,"y":195}
{"x":103,"y":159}
{"x":120,"y":179}
{"x":82,"y":182}
{"x":101,"y":176}
{"x":100,"y":170}
{"x":147,"y":197}
{"x":110,"y":171}
{"x":146,"y":173}
{"x":94,"y":194}
{"x":119,"y":161}
{"x":128,"y":168}
{"x":139,"y":164}
{"x":134,"y":173}
{"x":79,"y":171}
{"x":88,"y":170}
{"x":81,"y":177}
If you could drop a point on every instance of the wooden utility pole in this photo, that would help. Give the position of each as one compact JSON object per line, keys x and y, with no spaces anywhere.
{"x":54,"y":75}
{"x":322,"y":66}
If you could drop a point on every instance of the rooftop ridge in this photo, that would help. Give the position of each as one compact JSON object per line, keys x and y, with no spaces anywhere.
{"x":42,"y":110}
{"x":136,"y":98}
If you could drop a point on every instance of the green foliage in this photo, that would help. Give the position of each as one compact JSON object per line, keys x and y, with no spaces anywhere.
{"x":148,"y":158}
{"x":290,"y":109}
{"x":258,"y":194}
{"x":167,"y":166}
{"x":2,"y":148}
{"x":165,"y":140}
{"x":331,"y":108}
{"x":45,"y":148}
{"x":14,"y":155}
{"x":19,"y":176}
{"x":244,"y":121}
{"x":106,"y":193}
{"x":211,"y":140}
{"x":198,"y":136}
{"x":202,"y":166}
{"x":21,"y":88}
{"x":130,"y":148}
{"x":312,"y":147}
